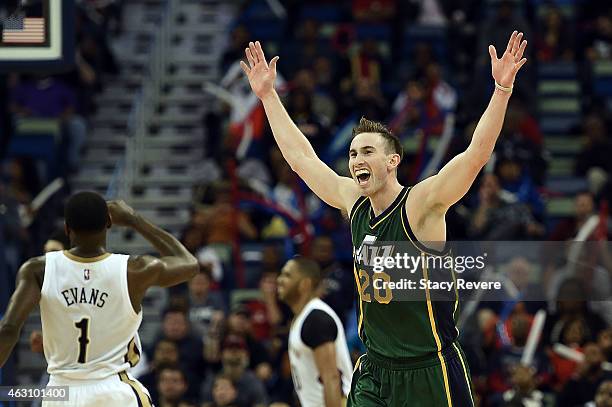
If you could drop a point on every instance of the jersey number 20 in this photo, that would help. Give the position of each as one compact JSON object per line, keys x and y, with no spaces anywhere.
{"x":83,"y":340}
{"x":383,"y":296}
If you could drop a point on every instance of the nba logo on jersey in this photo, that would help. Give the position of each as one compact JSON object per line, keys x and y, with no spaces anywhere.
{"x":86,"y":274}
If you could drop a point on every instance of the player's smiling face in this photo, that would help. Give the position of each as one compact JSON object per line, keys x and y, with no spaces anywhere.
{"x":369,"y":162}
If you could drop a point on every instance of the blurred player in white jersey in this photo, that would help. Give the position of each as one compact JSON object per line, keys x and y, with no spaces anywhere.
{"x":90,"y":303}
{"x":320,"y":361}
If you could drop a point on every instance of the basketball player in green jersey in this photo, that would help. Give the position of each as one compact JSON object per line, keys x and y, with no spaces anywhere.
{"x":413,"y":358}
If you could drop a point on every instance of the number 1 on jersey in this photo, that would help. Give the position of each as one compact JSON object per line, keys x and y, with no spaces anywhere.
{"x":83,"y":325}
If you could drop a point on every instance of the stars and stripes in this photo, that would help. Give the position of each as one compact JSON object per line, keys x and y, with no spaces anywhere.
{"x":19,"y":30}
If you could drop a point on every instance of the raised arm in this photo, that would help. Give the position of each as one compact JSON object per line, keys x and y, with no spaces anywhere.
{"x":175,"y":264}
{"x":339,"y":192}
{"x":453,"y":181}
{"x":23,"y":300}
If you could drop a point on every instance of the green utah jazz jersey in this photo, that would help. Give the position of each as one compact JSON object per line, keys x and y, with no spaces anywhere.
{"x":396,"y":329}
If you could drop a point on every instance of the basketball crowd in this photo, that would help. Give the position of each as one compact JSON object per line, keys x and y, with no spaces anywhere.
{"x":221,"y":344}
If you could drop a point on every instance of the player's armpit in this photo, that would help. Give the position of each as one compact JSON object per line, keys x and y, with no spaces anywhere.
{"x":23,"y":300}
{"x":325,"y":360}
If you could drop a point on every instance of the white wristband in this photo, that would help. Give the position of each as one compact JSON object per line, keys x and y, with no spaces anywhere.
{"x":503,"y":88}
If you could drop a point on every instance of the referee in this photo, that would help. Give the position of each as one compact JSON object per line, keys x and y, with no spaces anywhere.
{"x":320,"y":363}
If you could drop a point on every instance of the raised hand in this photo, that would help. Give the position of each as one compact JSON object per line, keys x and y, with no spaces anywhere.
{"x":261,"y":75}
{"x":504,"y":69}
{"x":121,"y":213}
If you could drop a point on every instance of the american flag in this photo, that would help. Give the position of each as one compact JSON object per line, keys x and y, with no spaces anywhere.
{"x":20,"y":29}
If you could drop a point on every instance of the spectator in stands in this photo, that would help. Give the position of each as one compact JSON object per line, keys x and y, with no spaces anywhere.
{"x":165,"y":353}
{"x":599,"y":40}
{"x":503,"y":362}
{"x":571,"y":304}
{"x":494,"y":30}
{"x":591,"y":270}
{"x":176,"y":328}
{"x":14,"y":235}
{"x":57,"y":241}
{"x":590,"y":375}
{"x":301,"y":51}
{"x":265,"y":312}
{"x":584,"y":208}
{"x":172,"y":387}
{"x":207,"y":309}
{"x":521,"y":137}
{"x":373,"y":11}
{"x":515,"y":178}
{"x":224,"y":392}
{"x":369,"y":100}
{"x":554,"y":39}
{"x":93,"y":37}
{"x":47,"y":97}
{"x":597,"y":149}
{"x":301,"y":204}
{"x":223,"y":222}
{"x":603,"y":397}
{"x":604,"y":340}
{"x":574,"y":337}
{"x":524,"y":390}
{"x":234,"y":364}
{"x":239,"y":40}
{"x":424,"y":105}
{"x":301,"y":108}
{"x":239,"y":324}
{"x":318,"y":83}
{"x":368,"y":64}
{"x":497,"y":218}
{"x":337,"y":285}
{"x":22,"y":179}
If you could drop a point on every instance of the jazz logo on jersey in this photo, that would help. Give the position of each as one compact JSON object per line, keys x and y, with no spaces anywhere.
{"x":86,"y":275}
{"x":367,"y":251}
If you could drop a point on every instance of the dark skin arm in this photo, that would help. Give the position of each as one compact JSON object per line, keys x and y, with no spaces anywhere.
{"x":325,"y":359}
{"x":174,"y":266}
{"x":23,"y":300}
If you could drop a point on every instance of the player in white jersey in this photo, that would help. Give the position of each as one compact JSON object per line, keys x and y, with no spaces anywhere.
{"x":90,"y":303}
{"x":320,"y":361}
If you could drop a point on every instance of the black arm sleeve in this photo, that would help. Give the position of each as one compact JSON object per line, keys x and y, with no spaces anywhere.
{"x":318,"y":327}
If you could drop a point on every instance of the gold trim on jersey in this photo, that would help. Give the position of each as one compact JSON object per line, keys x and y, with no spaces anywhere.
{"x":86,"y":259}
{"x":434,"y":330}
{"x":142,"y":398}
{"x":358,"y":363}
{"x":133,"y":353}
{"x":356,"y":207}
{"x":360,"y":321}
{"x":452,"y":272}
{"x":401,"y":200}
{"x":467,"y":380}
{"x":422,"y":248}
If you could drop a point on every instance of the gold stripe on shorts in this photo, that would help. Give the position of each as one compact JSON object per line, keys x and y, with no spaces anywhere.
{"x":142,"y":397}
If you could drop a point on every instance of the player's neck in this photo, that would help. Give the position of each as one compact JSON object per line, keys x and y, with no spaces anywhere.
{"x":88,"y":248}
{"x":299,"y":305}
{"x":384,"y":197}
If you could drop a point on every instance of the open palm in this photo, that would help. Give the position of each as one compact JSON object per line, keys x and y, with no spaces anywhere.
{"x":261,"y":75}
{"x":504,"y":69}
